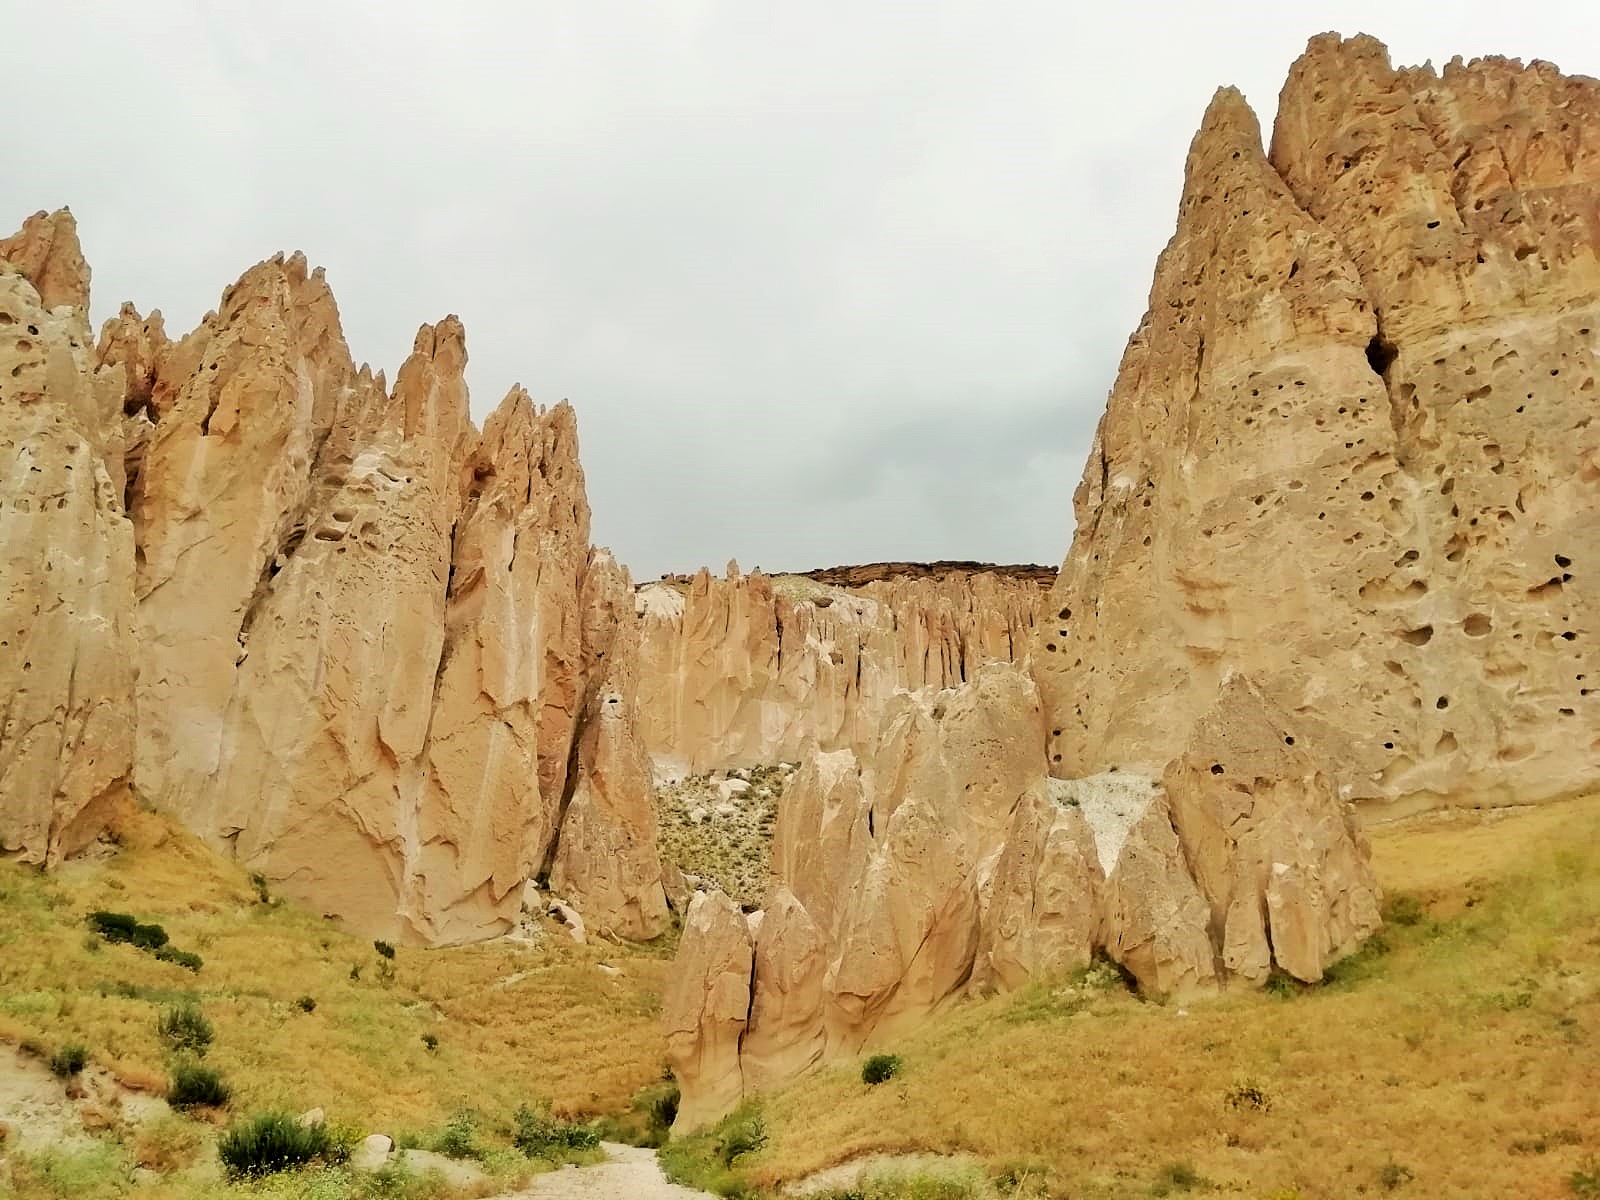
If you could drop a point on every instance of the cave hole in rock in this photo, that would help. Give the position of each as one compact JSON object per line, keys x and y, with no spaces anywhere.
{"x":1216,"y":768}
{"x":1380,"y":354}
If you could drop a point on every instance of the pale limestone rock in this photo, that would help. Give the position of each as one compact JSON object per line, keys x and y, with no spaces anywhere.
{"x":222,"y":493}
{"x":1039,"y":903}
{"x":751,"y":669}
{"x":1156,"y":920}
{"x":1271,"y":845}
{"x":572,"y":919}
{"x":372,"y":1153}
{"x":822,"y":841}
{"x":1350,"y":452}
{"x":786,"y":1026}
{"x":66,"y":557}
{"x":607,"y":859}
{"x":707,"y":1008}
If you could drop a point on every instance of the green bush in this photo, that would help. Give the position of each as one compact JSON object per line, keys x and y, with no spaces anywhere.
{"x":1403,"y":909}
{"x":539,"y":1135}
{"x":431,"y":1042}
{"x":384,"y":948}
{"x":1585,"y":1181}
{"x":196,"y":1086}
{"x":274,"y":1141}
{"x":184,"y":1027}
{"x":459,"y":1138}
{"x":306,"y":1004}
{"x":183,"y":958}
{"x":880,"y":1068}
{"x":1177,"y":1177}
{"x":263,"y":892}
{"x":1394,"y":1175}
{"x":124,"y":927}
{"x":69,"y":1060}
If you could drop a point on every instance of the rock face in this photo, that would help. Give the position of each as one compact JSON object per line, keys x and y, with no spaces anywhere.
{"x":1351,"y":451}
{"x":66,"y":556}
{"x":707,"y":1007}
{"x":749,"y":669}
{"x":376,"y":658}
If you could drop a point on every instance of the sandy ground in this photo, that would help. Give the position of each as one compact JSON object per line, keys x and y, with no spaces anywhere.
{"x":632,"y":1174}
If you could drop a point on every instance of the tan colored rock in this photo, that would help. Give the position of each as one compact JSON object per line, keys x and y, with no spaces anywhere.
{"x":45,"y":251}
{"x":751,"y":669}
{"x":707,"y":1008}
{"x":786,"y":1033}
{"x":1039,"y":902}
{"x":607,"y":859}
{"x":1350,"y":450}
{"x":1156,"y":920}
{"x":66,"y":557}
{"x":822,"y":840}
{"x":1270,"y":843}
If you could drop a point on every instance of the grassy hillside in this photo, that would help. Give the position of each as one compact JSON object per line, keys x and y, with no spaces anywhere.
{"x":1458,"y":1056}
{"x":401,"y":1045}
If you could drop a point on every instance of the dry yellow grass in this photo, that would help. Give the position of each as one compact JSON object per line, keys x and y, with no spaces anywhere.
{"x":514,"y":1024}
{"x":1464,"y":1062}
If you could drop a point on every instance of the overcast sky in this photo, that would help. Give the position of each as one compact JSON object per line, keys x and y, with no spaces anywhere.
{"x":826,"y":282}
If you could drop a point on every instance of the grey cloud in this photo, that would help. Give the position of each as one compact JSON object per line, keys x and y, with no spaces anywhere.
{"x":826,"y":282}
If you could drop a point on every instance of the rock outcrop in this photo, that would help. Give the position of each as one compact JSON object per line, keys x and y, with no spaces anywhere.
{"x":376,"y":657}
{"x":1351,"y":451}
{"x":707,"y":1008}
{"x":751,"y":669}
{"x":945,"y":860}
{"x":66,"y":556}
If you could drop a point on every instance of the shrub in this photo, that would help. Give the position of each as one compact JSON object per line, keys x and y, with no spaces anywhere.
{"x":430,"y":1041}
{"x":1178,"y":1177}
{"x":123,"y":927}
{"x":306,"y":1004}
{"x":1404,"y":909}
{"x":69,"y":1060}
{"x":184,"y":1027}
{"x":183,"y":958}
{"x":744,"y":1135}
{"x":459,"y":1138}
{"x":273,"y":1141}
{"x":384,"y":948}
{"x":196,"y":1086}
{"x":1248,"y":1097}
{"x":263,"y":892}
{"x":1585,"y":1181}
{"x":1393,"y":1176}
{"x":659,"y":1104}
{"x":539,"y":1135}
{"x":880,"y":1068}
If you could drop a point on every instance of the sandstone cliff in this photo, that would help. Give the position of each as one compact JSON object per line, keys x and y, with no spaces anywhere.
{"x":752,"y":669}
{"x":945,"y":859}
{"x":371,"y":647}
{"x":1351,"y":451}
{"x":66,"y":555}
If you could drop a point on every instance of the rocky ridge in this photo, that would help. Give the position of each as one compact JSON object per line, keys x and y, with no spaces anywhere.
{"x":340,"y":634}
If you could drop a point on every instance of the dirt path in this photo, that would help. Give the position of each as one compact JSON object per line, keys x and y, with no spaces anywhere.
{"x":632,"y":1174}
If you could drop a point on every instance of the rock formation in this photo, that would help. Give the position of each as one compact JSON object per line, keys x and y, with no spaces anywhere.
{"x":376,"y":658}
{"x":1351,"y":451}
{"x":66,"y":556}
{"x":946,"y":860}
{"x":751,"y":669}
{"x":707,"y":1007}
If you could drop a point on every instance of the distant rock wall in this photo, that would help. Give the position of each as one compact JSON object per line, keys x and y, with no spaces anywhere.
{"x":752,"y":669}
{"x":1352,"y":450}
{"x":341,"y":635}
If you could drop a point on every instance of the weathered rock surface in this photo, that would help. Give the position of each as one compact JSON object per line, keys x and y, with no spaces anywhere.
{"x":707,"y":1008}
{"x":66,"y":556}
{"x":752,"y":669}
{"x":370,"y":645}
{"x":1351,"y":451}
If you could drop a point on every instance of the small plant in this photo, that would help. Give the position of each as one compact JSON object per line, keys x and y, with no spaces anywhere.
{"x":1404,"y":909}
{"x":263,"y":892}
{"x":306,"y":1004}
{"x":880,"y":1068}
{"x":1248,"y":1097}
{"x":384,"y":949}
{"x":1393,"y":1175}
{"x":539,"y":1135}
{"x":270,"y":1142}
{"x":431,"y":1042}
{"x":355,"y":972}
{"x":1177,"y":1177}
{"x":184,"y":1027}
{"x":459,"y":1138}
{"x":197,"y":1086}
{"x":744,"y":1135}
{"x":1585,"y":1181}
{"x":69,"y":1060}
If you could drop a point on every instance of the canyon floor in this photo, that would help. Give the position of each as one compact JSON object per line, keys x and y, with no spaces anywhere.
{"x":1453,"y":1057}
